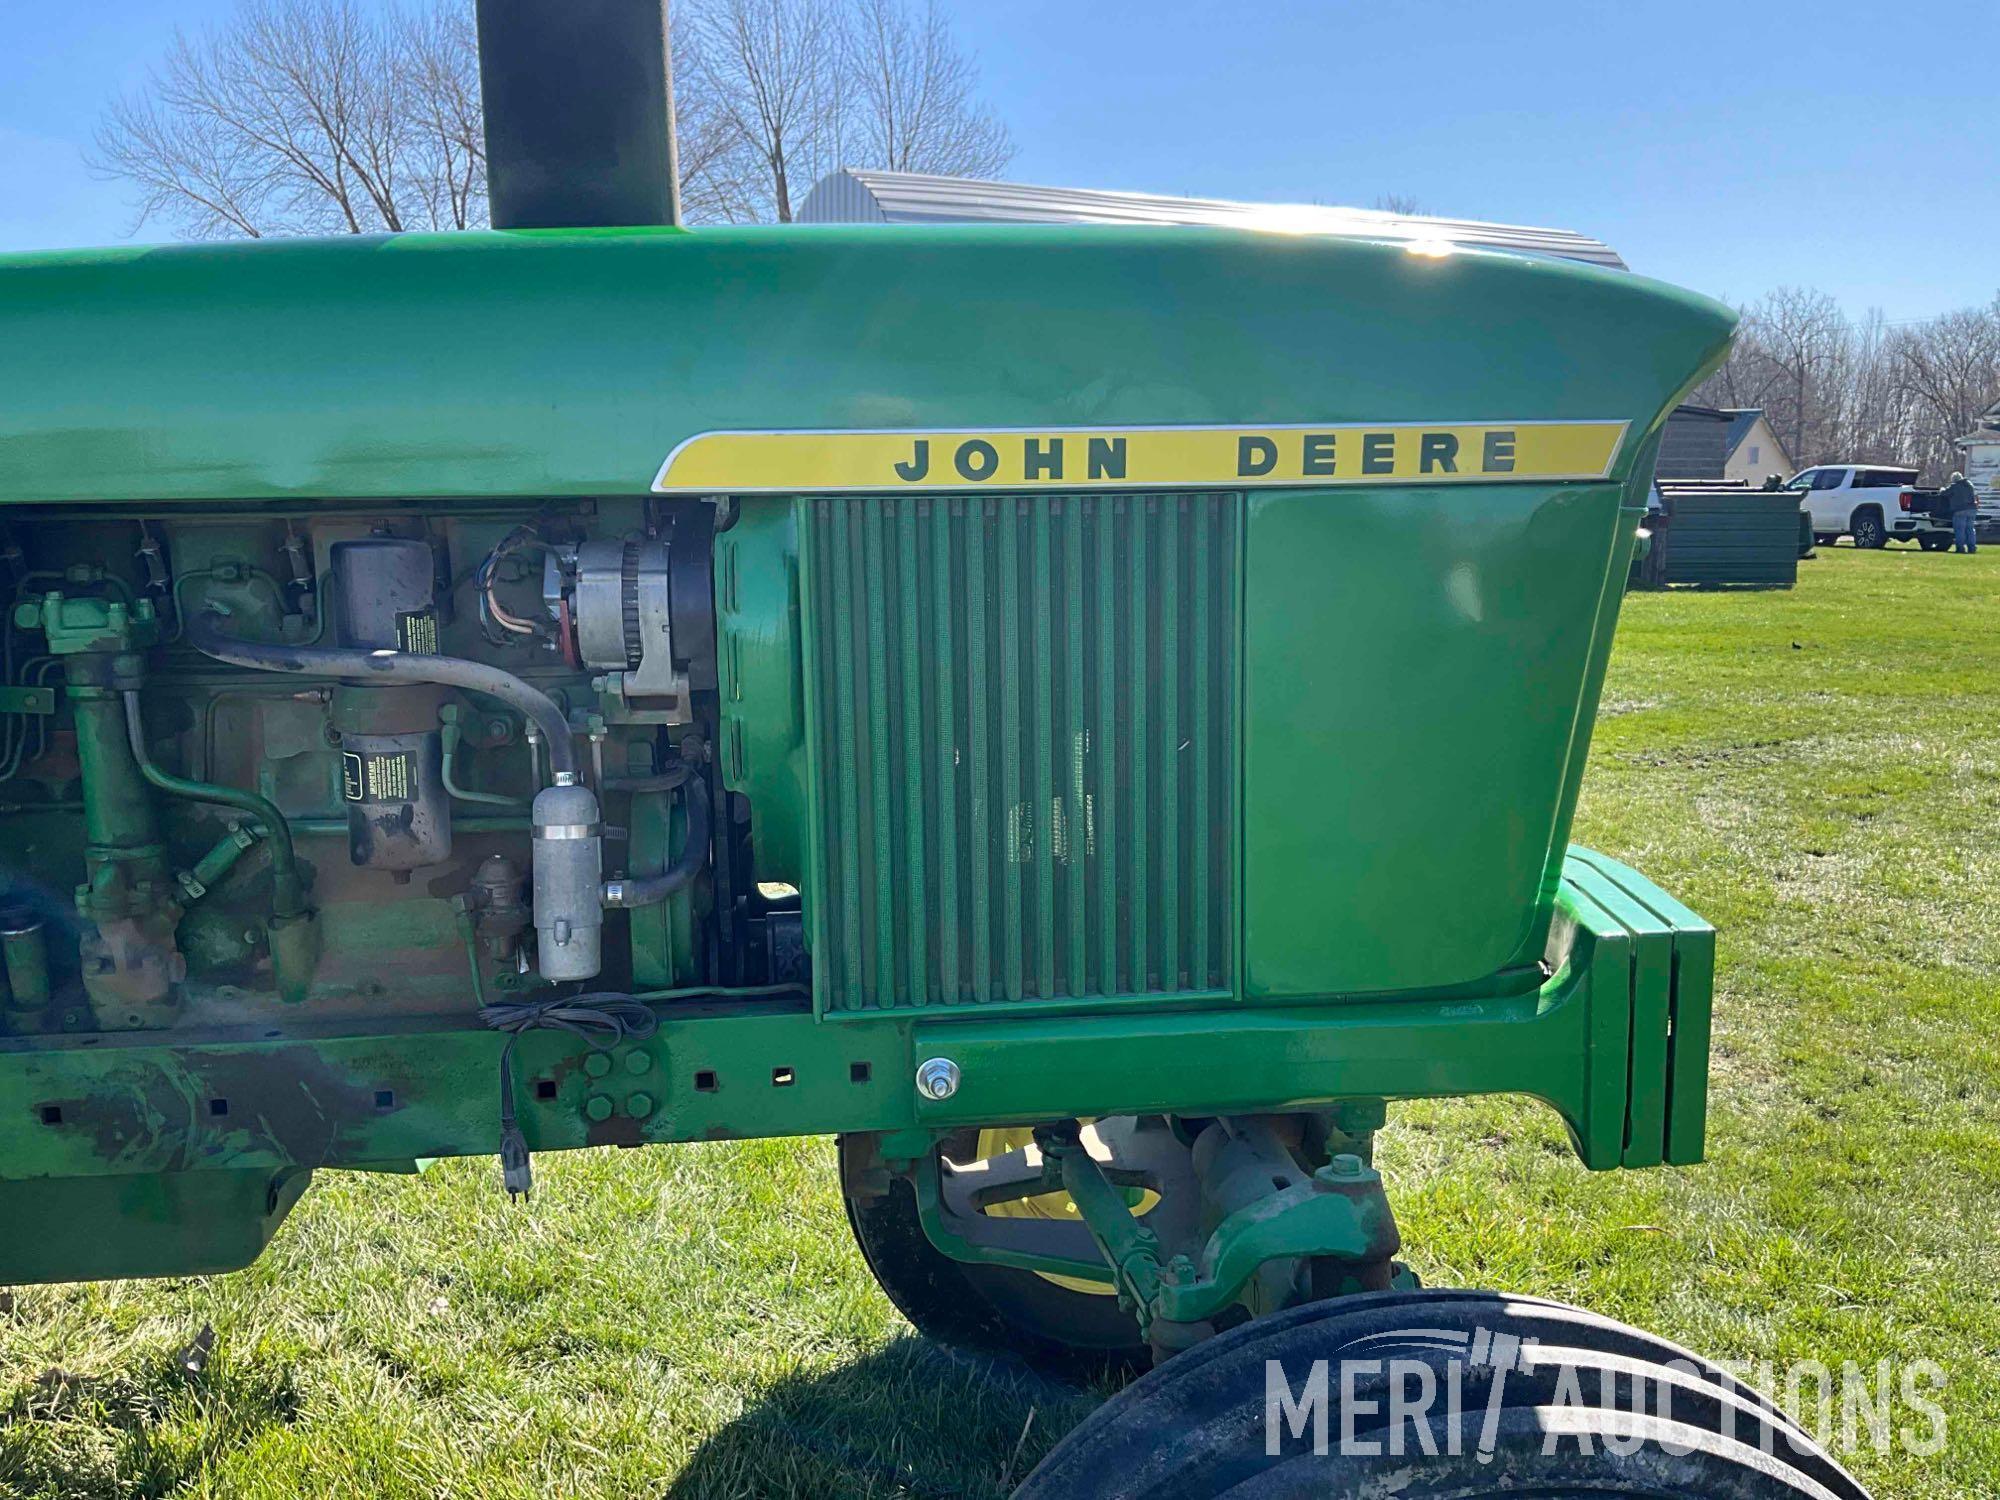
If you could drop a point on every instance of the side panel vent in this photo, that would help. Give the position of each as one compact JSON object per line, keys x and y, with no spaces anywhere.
{"x":1023,"y":723}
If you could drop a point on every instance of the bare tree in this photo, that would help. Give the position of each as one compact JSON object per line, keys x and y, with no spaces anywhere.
{"x":1804,"y":338}
{"x":1793,"y":356}
{"x":1949,"y":370}
{"x":306,"y":116}
{"x":800,"y":87}
{"x":437,"y":63}
{"x":718,"y":178}
{"x":777,"y":73}
{"x":1866,"y":391}
{"x":326,"y":116}
{"x":1403,"y":205}
{"x":918,"y":110}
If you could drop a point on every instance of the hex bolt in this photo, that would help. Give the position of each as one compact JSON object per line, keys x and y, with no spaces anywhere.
{"x":1345,"y":1167}
{"x":597,"y":1064}
{"x":598,"y":1107}
{"x":638,"y":1106}
{"x":937,"y":1078}
{"x":638,"y":1062}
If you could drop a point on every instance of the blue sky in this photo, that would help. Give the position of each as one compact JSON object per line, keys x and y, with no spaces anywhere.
{"x":1731,"y":147}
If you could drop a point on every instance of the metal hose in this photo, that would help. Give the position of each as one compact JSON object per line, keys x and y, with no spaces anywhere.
{"x":287,"y":890}
{"x":653,"y":889}
{"x":394,"y":666}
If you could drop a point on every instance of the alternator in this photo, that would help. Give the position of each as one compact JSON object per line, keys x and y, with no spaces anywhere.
{"x":622,"y":611}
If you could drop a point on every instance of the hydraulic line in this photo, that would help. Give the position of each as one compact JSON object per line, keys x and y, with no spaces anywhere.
{"x":395,"y":666}
{"x":453,"y":737}
{"x":287,"y":890}
{"x":653,"y":889}
{"x":664,"y":781}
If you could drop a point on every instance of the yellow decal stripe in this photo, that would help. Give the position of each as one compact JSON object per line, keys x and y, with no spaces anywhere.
{"x":1142,"y":457}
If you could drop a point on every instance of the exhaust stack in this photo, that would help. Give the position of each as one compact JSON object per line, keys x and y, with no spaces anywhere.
{"x":579,"y":104}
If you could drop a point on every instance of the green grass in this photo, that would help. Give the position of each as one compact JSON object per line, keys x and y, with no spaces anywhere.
{"x":1818,"y":772}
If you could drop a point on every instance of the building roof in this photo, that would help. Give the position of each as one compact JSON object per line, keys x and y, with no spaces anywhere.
{"x":1741,"y":420}
{"x":856,"y":196}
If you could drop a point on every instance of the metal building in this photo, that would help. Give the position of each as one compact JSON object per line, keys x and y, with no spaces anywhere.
{"x":854,"y":196}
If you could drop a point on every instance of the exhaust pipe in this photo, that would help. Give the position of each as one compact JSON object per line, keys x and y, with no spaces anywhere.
{"x":579,"y":105}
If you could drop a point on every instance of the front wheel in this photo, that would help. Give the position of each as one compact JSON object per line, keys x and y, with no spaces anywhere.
{"x":1868,"y":531}
{"x":1049,"y":1323}
{"x":1545,"y":1400}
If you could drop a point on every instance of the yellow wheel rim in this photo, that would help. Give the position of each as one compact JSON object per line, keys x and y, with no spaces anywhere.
{"x":1055,"y":1205}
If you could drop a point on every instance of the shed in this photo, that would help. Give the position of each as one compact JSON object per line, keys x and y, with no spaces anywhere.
{"x":855,"y":196}
{"x":1753,"y":449}
{"x":1695,"y":444}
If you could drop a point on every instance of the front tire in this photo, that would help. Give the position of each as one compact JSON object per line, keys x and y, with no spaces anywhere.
{"x":1073,"y":1334}
{"x":1522,"y":1369}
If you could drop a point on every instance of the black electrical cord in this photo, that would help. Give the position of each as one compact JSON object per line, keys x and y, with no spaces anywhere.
{"x":602,"y":1018}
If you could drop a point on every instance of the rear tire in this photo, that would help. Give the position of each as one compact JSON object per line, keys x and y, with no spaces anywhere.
{"x":1868,"y":531}
{"x":1934,"y":543}
{"x":1196,"y":1427}
{"x":1076,"y":1335}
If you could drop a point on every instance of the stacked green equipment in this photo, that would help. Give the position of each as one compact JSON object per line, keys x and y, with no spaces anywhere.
{"x":1089,"y":716}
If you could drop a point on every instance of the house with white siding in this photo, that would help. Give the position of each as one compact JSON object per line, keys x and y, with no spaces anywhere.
{"x":1752,"y":448}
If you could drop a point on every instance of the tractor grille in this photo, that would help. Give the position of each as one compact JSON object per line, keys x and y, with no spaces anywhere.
{"x":1023,"y":727}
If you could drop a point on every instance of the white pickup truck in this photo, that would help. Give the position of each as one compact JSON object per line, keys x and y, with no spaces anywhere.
{"x":1872,"y":503}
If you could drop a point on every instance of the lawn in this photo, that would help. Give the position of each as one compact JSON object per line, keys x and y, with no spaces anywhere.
{"x":1818,"y":772}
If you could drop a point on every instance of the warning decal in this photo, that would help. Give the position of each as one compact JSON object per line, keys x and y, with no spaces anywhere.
{"x":377,"y":778}
{"x":417,"y":633}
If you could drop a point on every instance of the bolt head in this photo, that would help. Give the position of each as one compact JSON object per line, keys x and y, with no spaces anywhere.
{"x":937,"y":1078}
{"x":598,"y":1107}
{"x":1346,"y":1167}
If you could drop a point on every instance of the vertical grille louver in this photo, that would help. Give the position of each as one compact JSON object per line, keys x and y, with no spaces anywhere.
{"x":1024,"y":732}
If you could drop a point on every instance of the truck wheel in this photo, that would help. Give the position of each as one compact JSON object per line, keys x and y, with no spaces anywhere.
{"x":1934,"y":543}
{"x":1067,"y":1332}
{"x":1619,"y":1411}
{"x":1868,"y":530}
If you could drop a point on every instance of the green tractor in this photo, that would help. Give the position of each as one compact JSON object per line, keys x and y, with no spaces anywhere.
{"x":1086,"y":715}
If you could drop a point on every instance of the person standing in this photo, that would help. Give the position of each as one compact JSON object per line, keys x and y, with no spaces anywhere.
{"x":1964,"y":507}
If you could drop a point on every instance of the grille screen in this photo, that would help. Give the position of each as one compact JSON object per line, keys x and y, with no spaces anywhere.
{"x":1024,"y":745}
